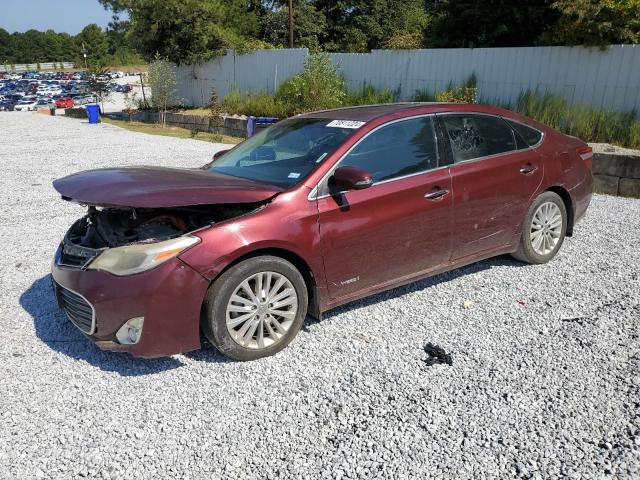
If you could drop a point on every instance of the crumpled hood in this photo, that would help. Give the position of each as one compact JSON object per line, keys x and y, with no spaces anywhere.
{"x":158,"y":187}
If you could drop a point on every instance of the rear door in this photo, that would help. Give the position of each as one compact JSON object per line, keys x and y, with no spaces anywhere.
{"x":399,"y":226}
{"x":494,"y":175}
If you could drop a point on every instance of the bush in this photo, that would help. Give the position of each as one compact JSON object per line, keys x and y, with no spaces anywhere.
{"x":320,"y":86}
{"x":259,"y":104}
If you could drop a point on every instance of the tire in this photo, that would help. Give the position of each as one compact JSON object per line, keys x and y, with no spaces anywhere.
{"x":279,"y":321}
{"x":547,"y":215}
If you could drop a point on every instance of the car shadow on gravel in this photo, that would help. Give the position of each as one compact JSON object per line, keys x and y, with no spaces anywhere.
{"x":501,"y":261}
{"x":54,"y":329}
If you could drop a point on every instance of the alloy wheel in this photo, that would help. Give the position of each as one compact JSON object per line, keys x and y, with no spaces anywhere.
{"x":261,"y":310}
{"x":546,"y":228}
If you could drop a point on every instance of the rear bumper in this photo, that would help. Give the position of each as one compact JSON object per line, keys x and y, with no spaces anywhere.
{"x":169,"y":298}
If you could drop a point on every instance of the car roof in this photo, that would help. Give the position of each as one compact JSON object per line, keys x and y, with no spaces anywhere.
{"x":367,"y":113}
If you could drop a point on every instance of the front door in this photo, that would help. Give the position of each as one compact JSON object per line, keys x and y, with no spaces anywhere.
{"x":396,"y":228}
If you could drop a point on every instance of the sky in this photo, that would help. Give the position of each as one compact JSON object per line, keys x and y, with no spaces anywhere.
{"x":69,"y":16}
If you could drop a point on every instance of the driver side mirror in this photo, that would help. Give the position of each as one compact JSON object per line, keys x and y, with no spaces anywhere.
{"x":350,"y":178}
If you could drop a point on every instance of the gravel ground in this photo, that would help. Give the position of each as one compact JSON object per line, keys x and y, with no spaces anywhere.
{"x":544,"y":381}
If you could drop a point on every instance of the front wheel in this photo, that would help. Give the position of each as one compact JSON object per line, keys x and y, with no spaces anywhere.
{"x":544,"y":229}
{"x":256,"y":308}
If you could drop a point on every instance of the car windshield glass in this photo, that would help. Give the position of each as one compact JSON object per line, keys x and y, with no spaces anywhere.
{"x":286,"y":153}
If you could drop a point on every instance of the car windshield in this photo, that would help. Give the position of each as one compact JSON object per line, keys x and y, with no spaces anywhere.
{"x":286,"y":153}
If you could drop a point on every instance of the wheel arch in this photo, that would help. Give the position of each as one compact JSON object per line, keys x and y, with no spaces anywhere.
{"x":310,"y":279}
{"x":564,"y":194}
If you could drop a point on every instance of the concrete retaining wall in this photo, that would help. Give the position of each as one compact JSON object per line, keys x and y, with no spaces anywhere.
{"x":616,"y":171}
{"x":233,"y":126}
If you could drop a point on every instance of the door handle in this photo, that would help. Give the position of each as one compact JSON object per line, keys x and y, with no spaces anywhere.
{"x":436,"y":194}
{"x":528,"y":168}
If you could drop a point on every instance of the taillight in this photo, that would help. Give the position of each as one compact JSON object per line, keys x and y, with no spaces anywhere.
{"x":586,"y":154}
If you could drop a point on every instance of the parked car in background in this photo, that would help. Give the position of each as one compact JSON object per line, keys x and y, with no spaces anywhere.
{"x":45,"y":103}
{"x":64,"y":102}
{"x":289,"y":222}
{"x":26,"y":105}
{"x":7,"y":105}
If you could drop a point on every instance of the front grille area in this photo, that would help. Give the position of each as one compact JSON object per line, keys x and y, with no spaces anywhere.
{"x":79,"y":311}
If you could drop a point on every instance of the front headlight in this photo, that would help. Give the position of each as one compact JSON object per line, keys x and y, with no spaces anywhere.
{"x":132,"y":259}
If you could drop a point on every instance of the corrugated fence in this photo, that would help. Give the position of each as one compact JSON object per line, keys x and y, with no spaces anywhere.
{"x":28,"y":67}
{"x":608,"y":78}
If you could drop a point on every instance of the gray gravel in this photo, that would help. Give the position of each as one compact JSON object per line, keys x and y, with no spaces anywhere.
{"x":544,"y":383}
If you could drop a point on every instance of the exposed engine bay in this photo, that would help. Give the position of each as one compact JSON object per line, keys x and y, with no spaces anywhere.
{"x":114,"y":227}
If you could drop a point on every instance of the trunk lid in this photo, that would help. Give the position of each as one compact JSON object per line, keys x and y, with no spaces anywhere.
{"x":158,"y":187}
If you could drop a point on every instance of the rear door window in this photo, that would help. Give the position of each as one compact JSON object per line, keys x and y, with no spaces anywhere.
{"x":476,"y":136}
{"x":530,"y":135}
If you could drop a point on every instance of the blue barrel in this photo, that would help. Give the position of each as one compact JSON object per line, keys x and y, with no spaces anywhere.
{"x":258,"y":123}
{"x":93,"y":112}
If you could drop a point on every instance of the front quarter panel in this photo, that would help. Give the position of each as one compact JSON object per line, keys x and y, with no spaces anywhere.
{"x":289,"y":222}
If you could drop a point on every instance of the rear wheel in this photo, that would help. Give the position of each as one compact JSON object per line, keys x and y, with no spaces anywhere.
{"x":256,"y":308}
{"x":544,"y":229}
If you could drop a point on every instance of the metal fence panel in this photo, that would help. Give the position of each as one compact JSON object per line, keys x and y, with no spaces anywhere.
{"x":258,"y":70}
{"x":608,"y":78}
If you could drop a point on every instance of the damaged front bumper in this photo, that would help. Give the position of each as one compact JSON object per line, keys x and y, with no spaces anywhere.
{"x":168,"y":297}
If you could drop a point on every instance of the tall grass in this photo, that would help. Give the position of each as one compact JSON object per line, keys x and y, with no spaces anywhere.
{"x":589,"y":124}
{"x":368,"y":95}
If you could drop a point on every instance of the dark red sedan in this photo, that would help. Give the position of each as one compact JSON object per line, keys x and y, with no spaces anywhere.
{"x":316,"y":211}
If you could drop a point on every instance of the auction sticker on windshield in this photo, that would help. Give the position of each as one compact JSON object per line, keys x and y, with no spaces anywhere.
{"x":345,"y":124}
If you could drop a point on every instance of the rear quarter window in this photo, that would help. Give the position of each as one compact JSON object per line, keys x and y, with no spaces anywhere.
{"x":530,"y":135}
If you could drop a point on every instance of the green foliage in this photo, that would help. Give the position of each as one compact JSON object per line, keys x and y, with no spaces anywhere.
{"x":363,"y":25}
{"x":259,"y":104}
{"x":405,"y":41}
{"x":465,"y":93}
{"x":589,"y":124}
{"x":490,"y":23}
{"x":595,"y":22}
{"x":319,"y":86}
{"x":39,"y":47}
{"x":369,"y":96}
{"x":187,"y":31}
{"x":163,"y":83}
{"x":95,"y":42}
{"x":308,"y":24}
{"x":423,"y":96}
{"x":99,"y":82}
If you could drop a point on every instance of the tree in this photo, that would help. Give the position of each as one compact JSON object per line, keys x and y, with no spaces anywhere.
{"x":595,"y":22}
{"x":308,"y":24}
{"x":99,"y":82}
{"x":95,"y":42}
{"x":163,"y":83}
{"x":319,"y":86}
{"x":490,"y":23}
{"x":363,"y":25}
{"x":187,"y":31}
